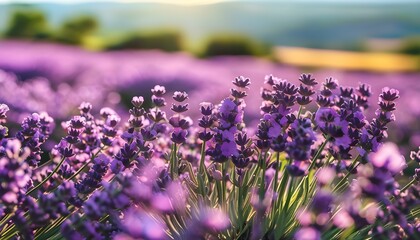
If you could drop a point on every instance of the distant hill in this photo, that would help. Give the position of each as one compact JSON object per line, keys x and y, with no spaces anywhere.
{"x":307,"y":24}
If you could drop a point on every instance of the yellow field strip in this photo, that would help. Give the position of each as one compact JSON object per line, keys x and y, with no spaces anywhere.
{"x":381,"y":62}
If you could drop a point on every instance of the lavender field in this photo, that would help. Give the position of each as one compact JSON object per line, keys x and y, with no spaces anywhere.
{"x":155,"y":145}
{"x":39,"y":77}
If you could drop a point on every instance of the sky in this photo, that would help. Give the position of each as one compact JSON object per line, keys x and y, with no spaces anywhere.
{"x":184,"y":2}
{"x":193,"y":2}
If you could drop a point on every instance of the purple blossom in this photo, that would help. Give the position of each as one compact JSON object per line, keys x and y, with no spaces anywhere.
{"x":179,"y":135}
{"x":138,"y":224}
{"x":326,"y":116}
{"x":302,"y":137}
{"x":388,"y":157}
{"x":230,"y":113}
{"x":94,"y":177}
{"x":3,"y":110}
{"x":207,"y":220}
{"x":180,"y":96}
{"x":308,"y":233}
{"x":229,"y":149}
{"x":415,"y":155}
{"x":14,"y":172}
{"x":158,"y":91}
{"x":137,"y":101}
{"x":213,"y":220}
{"x":242,"y":82}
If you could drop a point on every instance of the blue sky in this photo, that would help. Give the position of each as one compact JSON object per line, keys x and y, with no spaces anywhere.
{"x":192,"y":2}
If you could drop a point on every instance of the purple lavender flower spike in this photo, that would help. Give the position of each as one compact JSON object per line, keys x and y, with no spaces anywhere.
{"x":307,"y":80}
{"x":179,"y":108}
{"x":94,"y":177}
{"x":306,"y":89}
{"x":158,"y":101}
{"x":297,"y":169}
{"x":242,"y":82}
{"x":158,"y":91}
{"x":322,"y":202}
{"x":271,"y":80}
{"x":415,"y":155}
{"x":137,"y":101}
{"x":207,"y":220}
{"x":388,"y":157}
{"x":389,"y":94}
{"x":206,"y":108}
{"x":213,"y":220}
{"x":3,"y":110}
{"x":180,"y":96}
{"x":308,"y":233}
{"x":179,"y":135}
{"x":85,"y":107}
{"x":14,"y":172}
{"x":139,"y":224}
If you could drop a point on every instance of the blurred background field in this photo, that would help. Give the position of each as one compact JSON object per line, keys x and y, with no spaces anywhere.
{"x":56,"y":54}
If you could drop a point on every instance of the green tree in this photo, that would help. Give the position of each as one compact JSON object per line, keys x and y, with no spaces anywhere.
{"x":411,"y":45}
{"x":232,"y":44}
{"x":27,"y":24}
{"x":165,"y":39}
{"x":74,"y":30}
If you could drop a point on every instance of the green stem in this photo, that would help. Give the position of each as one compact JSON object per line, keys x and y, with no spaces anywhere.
{"x":275,"y":183}
{"x":202,"y":167}
{"x":81,"y":168}
{"x":300,"y":111}
{"x":240,"y":207}
{"x":219,"y":192}
{"x":174,"y":162}
{"x":262,"y":184}
{"x":8,"y":234}
{"x":224,"y":187}
{"x":47,"y":178}
{"x":408,"y":185}
{"x":276,"y":175}
{"x":353,"y":166}
{"x":202,"y":172}
{"x":320,"y":149}
{"x":288,"y":193}
{"x":43,"y":165}
{"x":5,"y":219}
{"x":221,"y":186}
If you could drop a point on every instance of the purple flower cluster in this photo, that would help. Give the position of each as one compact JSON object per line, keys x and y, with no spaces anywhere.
{"x":299,"y":148}
{"x":179,"y":123}
{"x":314,"y":219}
{"x":230,"y":117}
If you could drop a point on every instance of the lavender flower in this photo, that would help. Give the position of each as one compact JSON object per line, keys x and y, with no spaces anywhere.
{"x":143,"y":175}
{"x":306,"y":89}
{"x":207,"y":221}
{"x":388,"y":157}
{"x":375,"y":133}
{"x":230,"y":115}
{"x":3,"y":110}
{"x":299,"y":149}
{"x":138,"y":224}
{"x":94,"y":177}
{"x":14,"y":172}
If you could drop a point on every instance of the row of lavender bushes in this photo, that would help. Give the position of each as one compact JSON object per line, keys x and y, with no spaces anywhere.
{"x":325,"y":173}
{"x":37,"y":77}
